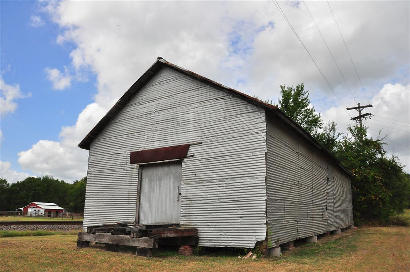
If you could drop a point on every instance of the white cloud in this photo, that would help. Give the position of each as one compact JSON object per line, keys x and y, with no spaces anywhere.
{"x":392,"y":119}
{"x":63,"y":159}
{"x":60,"y":80}
{"x":54,"y":159}
{"x":36,"y":21}
{"x":247,"y":45}
{"x":120,"y":47}
{"x":244,"y":45}
{"x":8,"y":96}
{"x":280,"y":58}
{"x":10,"y":175}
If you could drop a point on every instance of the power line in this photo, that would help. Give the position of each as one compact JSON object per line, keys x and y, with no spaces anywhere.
{"x":394,"y":127}
{"x":390,"y":120}
{"x":324,"y":41}
{"x":301,"y":42}
{"x":345,"y":44}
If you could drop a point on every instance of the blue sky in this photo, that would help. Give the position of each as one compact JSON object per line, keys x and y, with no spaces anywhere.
{"x":64,"y":64}
{"x":25,"y":53}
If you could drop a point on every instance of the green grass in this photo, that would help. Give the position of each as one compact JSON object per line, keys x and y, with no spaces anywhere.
{"x":18,"y":233}
{"x":324,"y":249}
{"x":364,"y":249}
{"x":36,"y":218}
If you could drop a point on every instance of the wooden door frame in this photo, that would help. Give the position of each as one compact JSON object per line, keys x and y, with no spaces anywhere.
{"x":137,"y":214}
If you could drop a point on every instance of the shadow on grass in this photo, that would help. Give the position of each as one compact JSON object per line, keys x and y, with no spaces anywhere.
{"x":328,"y":247}
{"x":172,"y":251}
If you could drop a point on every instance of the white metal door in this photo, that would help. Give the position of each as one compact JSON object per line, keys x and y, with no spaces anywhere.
{"x":160,"y":194}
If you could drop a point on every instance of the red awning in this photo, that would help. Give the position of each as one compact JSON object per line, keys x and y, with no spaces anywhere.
{"x":159,"y":154}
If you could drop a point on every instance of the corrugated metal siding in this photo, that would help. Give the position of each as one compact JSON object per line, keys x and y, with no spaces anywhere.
{"x":223,"y":178}
{"x":343,"y":209}
{"x":306,"y":195}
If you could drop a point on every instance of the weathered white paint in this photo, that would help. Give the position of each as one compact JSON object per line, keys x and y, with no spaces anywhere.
{"x":160,"y":200}
{"x":306,"y":193}
{"x":223,"y":191}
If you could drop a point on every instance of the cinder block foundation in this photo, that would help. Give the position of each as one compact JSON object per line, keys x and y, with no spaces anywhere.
{"x":275,"y":252}
{"x":145,"y":252}
{"x":290,"y":245}
{"x":312,"y":239}
{"x":185,"y":250}
{"x":338,"y":231}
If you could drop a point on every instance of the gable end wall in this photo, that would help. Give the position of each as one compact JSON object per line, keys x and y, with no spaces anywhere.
{"x":223,"y":177}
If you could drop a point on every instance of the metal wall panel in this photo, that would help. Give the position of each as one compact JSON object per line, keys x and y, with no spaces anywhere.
{"x":223,"y":178}
{"x":306,"y":194}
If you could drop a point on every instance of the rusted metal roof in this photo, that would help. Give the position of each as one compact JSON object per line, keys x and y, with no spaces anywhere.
{"x":160,"y":62}
{"x":159,"y":154}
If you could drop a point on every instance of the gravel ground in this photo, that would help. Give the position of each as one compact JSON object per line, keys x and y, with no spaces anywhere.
{"x":40,"y":227}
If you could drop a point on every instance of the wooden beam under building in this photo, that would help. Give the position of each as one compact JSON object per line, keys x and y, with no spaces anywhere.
{"x":120,"y":240}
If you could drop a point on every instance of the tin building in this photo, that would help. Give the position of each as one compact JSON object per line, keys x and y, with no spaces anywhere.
{"x":178,"y":148}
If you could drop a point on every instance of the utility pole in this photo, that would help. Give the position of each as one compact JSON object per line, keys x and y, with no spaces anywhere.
{"x":361,"y":116}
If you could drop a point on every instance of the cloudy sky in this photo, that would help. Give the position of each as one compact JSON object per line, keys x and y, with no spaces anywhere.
{"x":64,"y":64}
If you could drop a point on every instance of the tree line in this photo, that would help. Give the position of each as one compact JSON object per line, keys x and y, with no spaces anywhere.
{"x":380,"y":186}
{"x":43,"y":189}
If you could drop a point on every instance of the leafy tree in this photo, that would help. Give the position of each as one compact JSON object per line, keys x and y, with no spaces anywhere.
{"x":43,"y":189}
{"x":379,"y":186}
{"x":295,"y":103}
{"x":3,"y":194}
{"x":329,"y":137}
{"x":76,"y":196}
{"x":3,"y":183}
